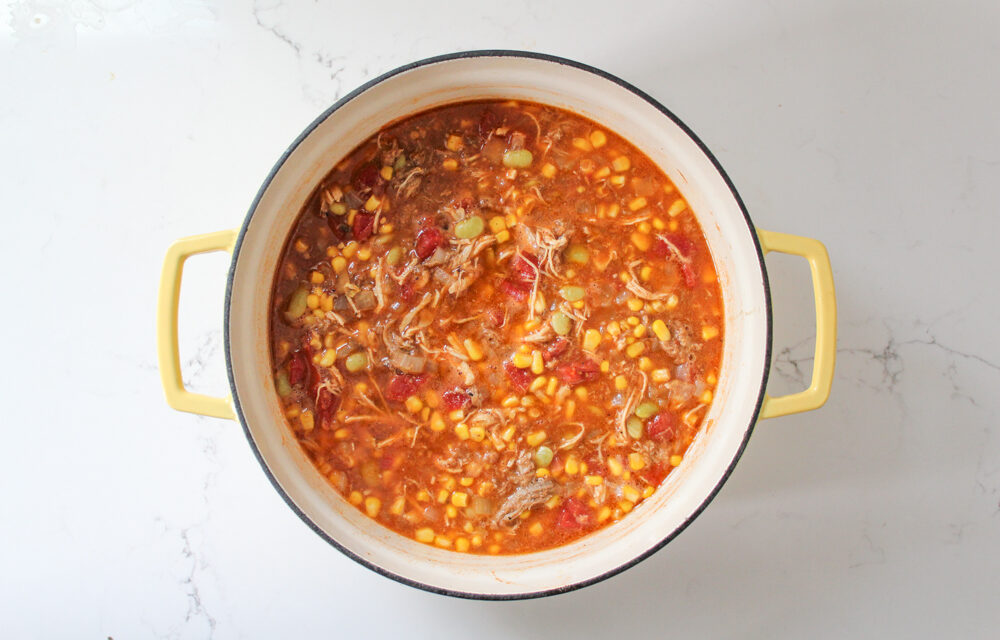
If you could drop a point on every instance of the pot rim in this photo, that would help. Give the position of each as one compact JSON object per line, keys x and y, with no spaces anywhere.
{"x":496,"y":53}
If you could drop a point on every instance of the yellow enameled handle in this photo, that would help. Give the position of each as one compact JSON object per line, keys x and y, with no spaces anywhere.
{"x":179,"y":397}
{"x":826,"y":324}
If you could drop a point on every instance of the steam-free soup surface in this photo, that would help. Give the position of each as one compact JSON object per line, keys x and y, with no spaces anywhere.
{"x":496,"y":327}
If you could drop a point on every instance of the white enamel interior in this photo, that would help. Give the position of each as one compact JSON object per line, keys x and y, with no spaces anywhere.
{"x":729,"y":238}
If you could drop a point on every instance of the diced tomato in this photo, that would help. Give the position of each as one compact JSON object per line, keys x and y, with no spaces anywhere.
{"x":402,"y":386}
{"x":582,"y":369}
{"x":655,"y":474}
{"x":496,"y":316}
{"x":364,"y":226}
{"x":555,"y":349}
{"x":521,"y":378}
{"x":406,"y":291}
{"x":689,"y":279}
{"x":365,"y":179}
{"x":297,"y":366}
{"x":686,"y":248}
{"x":428,"y":241}
{"x":524,"y":268}
{"x":663,"y":427}
{"x":327,"y":403}
{"x":514,"y":290}
{"x":573,"y":515}
{"x":455,"y":399}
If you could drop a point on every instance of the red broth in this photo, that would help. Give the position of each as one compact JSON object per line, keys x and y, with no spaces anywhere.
{"x":496,"y":327}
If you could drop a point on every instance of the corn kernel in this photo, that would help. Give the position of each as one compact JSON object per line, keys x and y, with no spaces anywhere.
{"x":648,"y":491}
{"x":442,"y":496}
{"x":658,"y":224}
{"x":477,"y":433}
{"x":630,"y":493}
{"x":453,"y":143}
{"x":706,"y":397}
{"x":460,"y":499}
{"x":621,"y":383}
{"x":423,"y":496}
{"x":339,"y":264}
{"x":425,"y":534}
{"x":312,"y":301}
{"x":548,"y":170}
{"x":570,"y":409}
{"x":635,"y":349}
{"x":581,"y":393}
{"x":625,"y":505}
{"x":521,"y":360}
{"x":414,"y":404}
{"x":645,"y":364}
{"x":536,"y":438}
{"x":646,"y":273}
{"x":591,"y":339}
{"x":350,"y":249}
{"x":603,"y":514}
{"x":676,"y":207}
{"x":594,"y":480}
{"x":536,"y":529}
{"x":450,"y":164}
{"x":644,"y":226}
{"x":675,"y":460}
{"x":605,"y":366}
{"x":372,"y":203}
{"x":550,"y":388}
{"x":707,"y":333}
{"x":711,"y":379}
{"x":582,"y":144}
{"x":307,"y":420}
{"x":300,"y":245}
{"x":615,"y":466}
{"x":537,"y":363}
{"x":474,"y":350}
{"x":641,"y":240}
{"x":462,"y":544}
{"x":572,"y":466}
{"x":602,"y":173}
{"x":637,"y":203}
{"x":342,"y":433}
{"x":462,"y":431}
{"x":639,"y":331}
{"x":583,"y":468}
{"x":437,"y":422}
{"x":510,"y":401}
{"x":597,"y":138}
{"x":618,"y":181}
{"x":542,"y":473}
{"x":635,"y":304}
{"x":673,"y":225}
{"x":537,"y":384}
{"x":508,"y":434}
{"x":442,"y":541}
{"x":316,"y":277}
{"x":660,"y":330}
{"x":355,"y":498}
{"x":636,"y":461}
{"x":614,"y":329}
{"x":660,"y":375}
{"x":372,"y":506}
{"x":502,"y":236}
{"x":497,"y":223}
{"x":456,"y":415}
{"x":672,"y":301}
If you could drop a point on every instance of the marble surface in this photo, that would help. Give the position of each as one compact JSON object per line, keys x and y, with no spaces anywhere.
{"x":871,"y":126}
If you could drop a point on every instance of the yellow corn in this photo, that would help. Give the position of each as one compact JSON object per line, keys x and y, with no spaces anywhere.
{"x":521,"y":360}
{"x":598,"y":139}
{"x":582,"y":144}
{"x":646,"y":273}
{"x":676,"y":460}
{"x":603,"y":172}
{"x":462,"y":431}
{"x":644,"y":226}
{"x":450,"y":164}
{"x":617,"y":181}
{"x":706,"y":397}
{"x":676,"y":207}
{"x":570,"y":409}
{"x":605,"y":366}
{"x":660,"y":375}
{"x":572,"y":466}
{"x":707,"y":333}
{"x":645,"y":364}
{"x":635,"y":304}
{"x":453,"y":143}
{"x":637,"y":203}
{"x":594,"y":480}
{"x":462,"y":544}
{"x":442,"y":496}
{"x":350,"y":249}
{"x":442,"y":541}
{"x":581,"y":392}
{"x":591,"y":339}
{"x":660,"y":330}
{"x":711,"y":379}
{"x":658,"y":224}
{"x":635,"y":349}
{"x":300,"y":245}
{"x":316,"y":277}
{"x":386,"y":172}
{"x":456,"y":415}
{"x":615,"y":466}
{"x":477,"y":433}
{"x":537,"y":363}
{"x":625,"y":505}
{"x":548,"y":170}
{"x":372,"y":203}
{"x":397,"y":506}
{"x":460,"y":499}
{"x":541,"y":473}
{"x":342,"y":433}
{"x":639,"y":331}
{"x":614,"y":330}
{"x":372,"y":506}
{"x":355,"y":498}
{"x":536,"y":529}
{"x":510,"y":401}
{"x":414,"y":404}
{"x":630,"y":493}
{"x":621,"y":383}
{"x":537,"y":383}
{"x":636,"y":461}
{"x":603,"y":514}
{"x":423,"y":496}
{"x":437,"y":422}
{"x":339,"y":264}
{"x":621,"y":163}
{"x":536,"y":438}
{"x":474,"y":350}
{"x":307,"y":421}
{"x":425,"y":534}
{"x":312,"y":301}
{"x":497,"y":223}
{"x":502,"y":236}
{"x":508,"y":434}
{"x":672,"y":301}
{"x":550,"y":388}
{"x":641,"y":240}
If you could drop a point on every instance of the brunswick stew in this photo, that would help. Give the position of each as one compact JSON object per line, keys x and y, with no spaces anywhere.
{"x":496,"y":327}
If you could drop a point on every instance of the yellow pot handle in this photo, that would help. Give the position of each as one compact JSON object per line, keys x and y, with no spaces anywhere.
{"x":166,"y":325}
{"x":826,"y":323}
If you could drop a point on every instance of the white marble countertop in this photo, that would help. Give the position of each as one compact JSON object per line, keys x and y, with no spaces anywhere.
{"x":871,"y":126}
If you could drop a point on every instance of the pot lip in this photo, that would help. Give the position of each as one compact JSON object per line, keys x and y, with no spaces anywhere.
{"x":496,"y":53}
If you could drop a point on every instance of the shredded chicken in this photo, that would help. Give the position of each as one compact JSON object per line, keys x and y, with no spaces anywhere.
{"x":637,"y":289}
{"x":629,"y":407}
{"x":408,"y":318}
{"x":522,"y":499}
{"x":379,"y":292}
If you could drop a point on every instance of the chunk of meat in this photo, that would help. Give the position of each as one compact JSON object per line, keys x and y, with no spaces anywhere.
{"x":573,"y":515}
{"x":366,"y":180}
{"x":663,"y":427}
{"x":679,"y":248}
{"x":520,"y":378}
{"x":402,"y":386}
{"x":428,"y":241}
{"x":522,"y":499}
{"x":578,"y":370}
{"x":523,"y":268}
{"x":297,"y":368}
{"x":496,"y":316}
{"x":327,"y":403}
